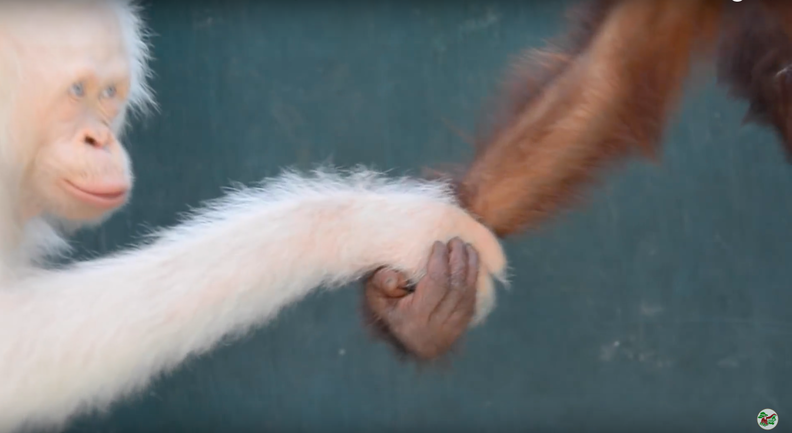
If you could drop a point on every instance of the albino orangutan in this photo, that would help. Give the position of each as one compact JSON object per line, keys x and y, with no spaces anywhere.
{"x":79,"y":337}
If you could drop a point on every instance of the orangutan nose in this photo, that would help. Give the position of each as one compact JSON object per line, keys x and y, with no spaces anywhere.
{"x":97,"y":137}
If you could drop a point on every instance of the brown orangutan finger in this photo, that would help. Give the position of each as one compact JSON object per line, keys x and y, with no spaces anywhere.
{"x":463,"y":311}
{"x":433,"y":287}
{"x":382,"y":291}
{"x":389,"y":283}
{"x":473,"y":266}
{"x":458,"y":261}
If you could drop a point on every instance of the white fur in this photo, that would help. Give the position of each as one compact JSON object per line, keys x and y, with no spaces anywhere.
{"x":81,"y":337}
{"x":24,"y":241}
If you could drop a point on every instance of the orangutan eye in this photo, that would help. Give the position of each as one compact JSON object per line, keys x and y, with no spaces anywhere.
{"x":77,"y":89}
{"x":109,"y":92}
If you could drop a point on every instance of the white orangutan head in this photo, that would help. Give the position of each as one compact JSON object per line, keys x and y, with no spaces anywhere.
{"x":70,"y":72}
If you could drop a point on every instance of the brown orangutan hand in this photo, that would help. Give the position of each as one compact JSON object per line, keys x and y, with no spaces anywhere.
{"x":425,"y":321}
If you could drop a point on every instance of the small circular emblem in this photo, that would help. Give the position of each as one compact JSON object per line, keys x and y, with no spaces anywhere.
{"x":767,"y":419}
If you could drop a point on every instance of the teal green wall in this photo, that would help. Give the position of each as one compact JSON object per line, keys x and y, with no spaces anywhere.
{"x":664,"y":301}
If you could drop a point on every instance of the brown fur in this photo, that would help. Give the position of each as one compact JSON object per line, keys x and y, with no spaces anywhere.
{"x":535,"y":69}
{"x":755,"y":62}
{"x":530,"y":73}
{"x":607,"y":88}
{"x":609,"y":94}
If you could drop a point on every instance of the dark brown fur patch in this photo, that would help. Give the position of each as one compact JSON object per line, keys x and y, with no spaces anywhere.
{"x":755,"y":62}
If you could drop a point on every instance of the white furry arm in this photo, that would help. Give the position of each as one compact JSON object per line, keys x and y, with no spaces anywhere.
{"x":232,"y":266}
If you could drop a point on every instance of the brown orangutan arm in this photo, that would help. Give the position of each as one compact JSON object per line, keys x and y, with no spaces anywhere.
{"x":611,"y":96}
{"x":606,"y":89}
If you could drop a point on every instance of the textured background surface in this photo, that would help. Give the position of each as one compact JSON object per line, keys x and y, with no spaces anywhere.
{"x":662,"y":302}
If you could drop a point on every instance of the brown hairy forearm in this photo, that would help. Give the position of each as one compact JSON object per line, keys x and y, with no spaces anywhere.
{"x":610,"y":93}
